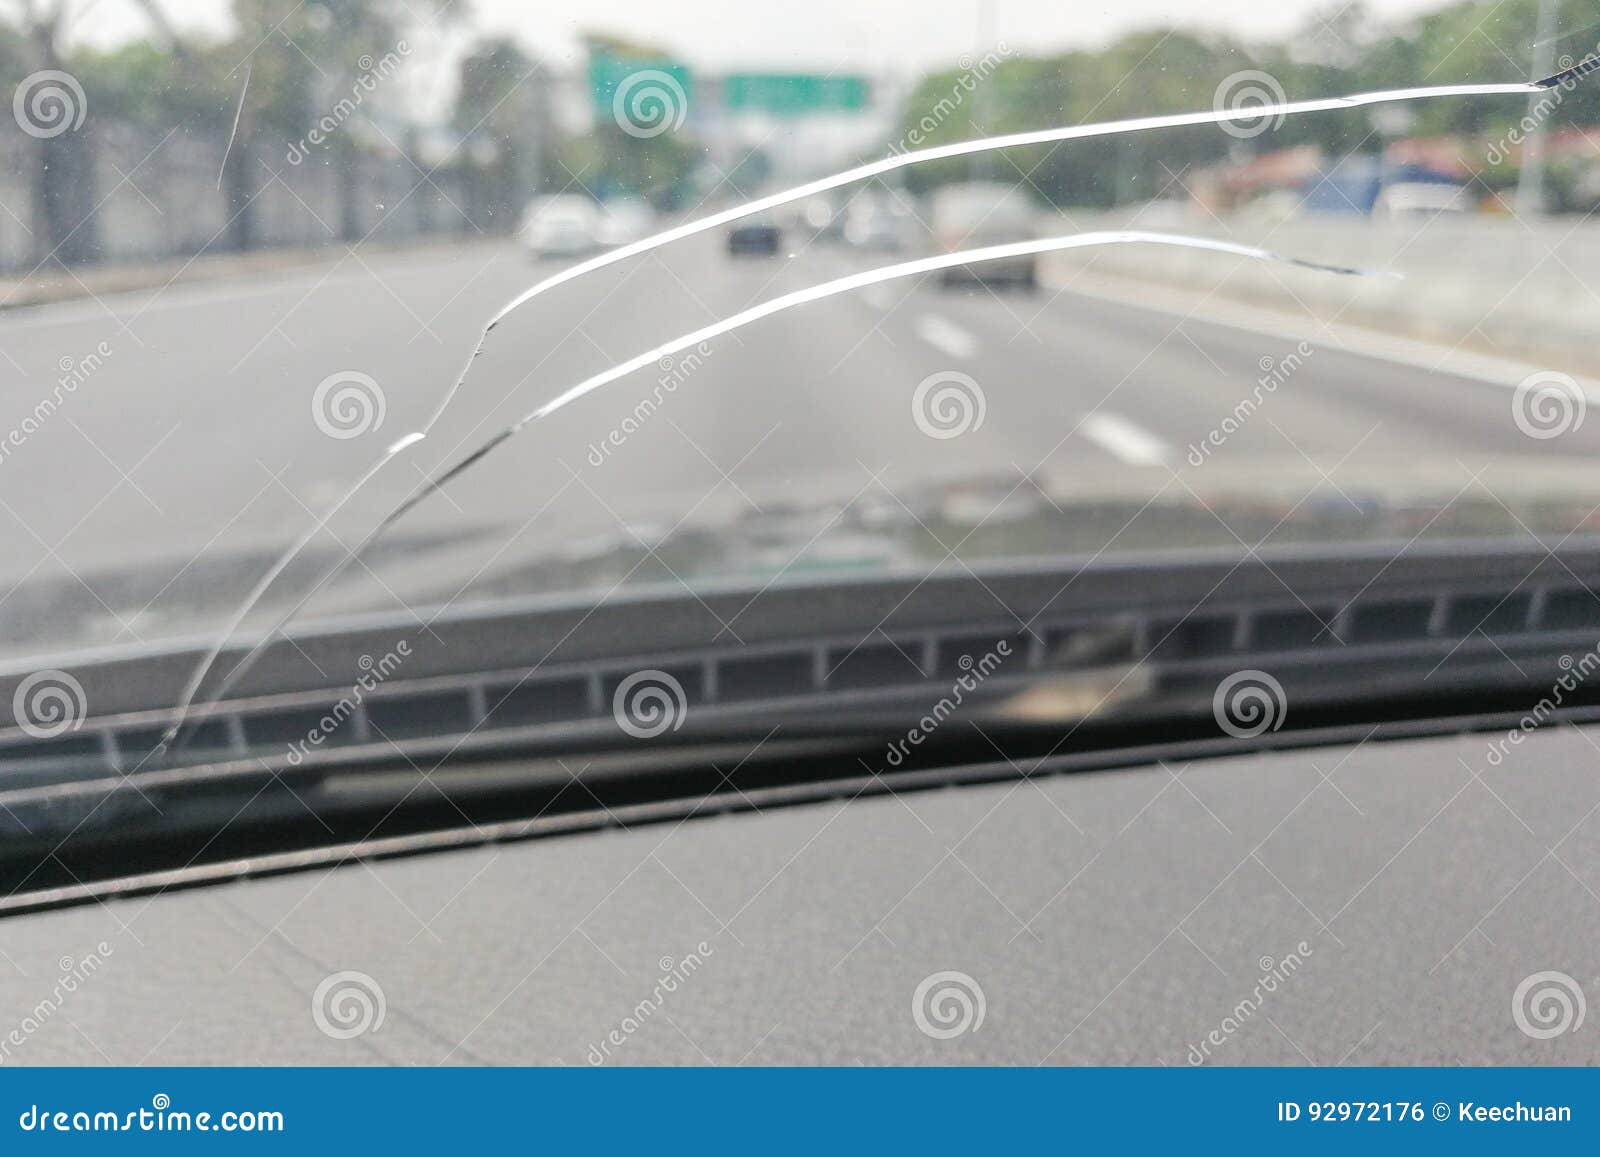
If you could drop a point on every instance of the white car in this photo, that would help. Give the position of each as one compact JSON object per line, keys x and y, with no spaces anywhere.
{"x":1422,"y":199}
{"x":625,"y":220}
{"x":564,"y":225}
{"x":978,"y":214}
{"x":875,"y":225}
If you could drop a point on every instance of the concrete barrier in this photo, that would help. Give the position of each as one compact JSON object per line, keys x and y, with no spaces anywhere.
{"x":1494,"y":284}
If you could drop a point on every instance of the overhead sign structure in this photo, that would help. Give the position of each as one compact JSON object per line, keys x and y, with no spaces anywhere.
{"x":634,"y":79}
{"x":794,"y":93}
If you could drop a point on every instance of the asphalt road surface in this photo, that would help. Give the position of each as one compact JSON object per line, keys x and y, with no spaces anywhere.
{"x":150,"y":498}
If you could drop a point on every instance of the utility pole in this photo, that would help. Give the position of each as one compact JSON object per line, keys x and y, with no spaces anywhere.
{"x":1530,"y":180}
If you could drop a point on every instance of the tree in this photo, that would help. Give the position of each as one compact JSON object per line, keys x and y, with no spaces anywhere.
{"x":502,"y":111}
{"x":1139,"y":75}
{"x":61,"y":180}
{"x":304,"y":62}
{"x":1339,"y":50}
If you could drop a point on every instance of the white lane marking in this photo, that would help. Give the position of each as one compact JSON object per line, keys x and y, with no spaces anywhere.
{"x":946,"y":336}
{"x":1123,"y":440}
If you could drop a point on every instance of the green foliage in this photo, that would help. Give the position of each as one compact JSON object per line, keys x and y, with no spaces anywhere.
{"x":608,"y":161}
{"x":13,"y":57}
{"x":196,"y":85}
{"x":1140,"y":75}
{"x":490,"y":83}
{"x":152,"y":88}
{"x":1342,"y":49}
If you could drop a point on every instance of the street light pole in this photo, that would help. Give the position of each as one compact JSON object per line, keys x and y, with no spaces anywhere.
{"x":1530,"y":179}
{"x":982,"y":166}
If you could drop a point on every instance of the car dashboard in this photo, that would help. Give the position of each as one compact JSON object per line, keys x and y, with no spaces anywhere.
{"x":1378,"y":902}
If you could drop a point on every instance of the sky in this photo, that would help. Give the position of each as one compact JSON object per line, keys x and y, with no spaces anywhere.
{"x":871,"y":35}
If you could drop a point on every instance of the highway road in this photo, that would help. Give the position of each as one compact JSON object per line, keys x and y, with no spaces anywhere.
{"x":152,"y":495}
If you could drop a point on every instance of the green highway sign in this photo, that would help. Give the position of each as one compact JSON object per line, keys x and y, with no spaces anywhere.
{"x":794,"y":93}
{"x":636,"y":77}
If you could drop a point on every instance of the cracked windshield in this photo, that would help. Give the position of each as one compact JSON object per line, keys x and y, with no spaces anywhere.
{"x":311,"y":310}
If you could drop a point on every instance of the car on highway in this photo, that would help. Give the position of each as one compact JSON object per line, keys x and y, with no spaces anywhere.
{"x":974,"y":214}
{"x":875,"y":224}
{"x":820,"y":219}
{"x":1411,"y":199}
{"x":624,"y":220}
{"x":759,"y":236}
{"x":561,"y":225}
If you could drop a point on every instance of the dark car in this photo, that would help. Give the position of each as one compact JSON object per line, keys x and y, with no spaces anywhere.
{"x":757,"y":235}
